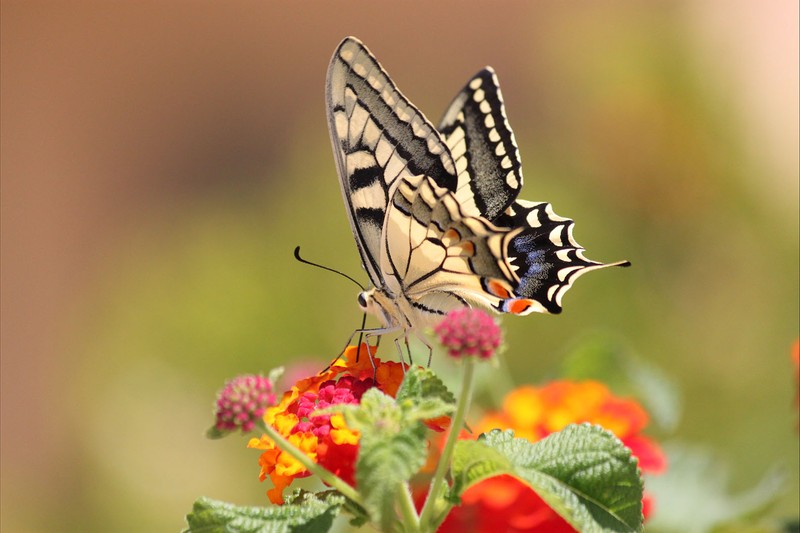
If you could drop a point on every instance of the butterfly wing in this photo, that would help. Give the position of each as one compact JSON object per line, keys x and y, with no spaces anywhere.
{"x":442,"y":258}
{"x":483,"y":147}
{"x":378,"y":137}
{"x":439,"y":257}
{"x":544,"y":256}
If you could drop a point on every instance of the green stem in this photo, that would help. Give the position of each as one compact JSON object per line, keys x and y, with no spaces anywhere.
{"x":323,"y":473}
{"x":456,"y":424}
{"x":408,"y":510}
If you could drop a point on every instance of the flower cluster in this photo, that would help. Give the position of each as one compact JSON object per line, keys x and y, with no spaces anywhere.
{"x":534,"y":413}
{"x":324,"y":438}
{"x":467,"y":331}
{"x":241,"y":402}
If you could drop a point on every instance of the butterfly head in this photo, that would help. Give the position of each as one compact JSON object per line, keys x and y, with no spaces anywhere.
{"x":365,"y":300}
{"x":383,"y":305}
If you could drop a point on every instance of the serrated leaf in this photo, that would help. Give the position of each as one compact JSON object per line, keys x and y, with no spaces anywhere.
{"x":607,"y":359}
{"x":583,"y":472}
{"x":391,"y":450}
{"x":305,"y":512}
{"x":422,"y":384}
{"x":429,"y":409}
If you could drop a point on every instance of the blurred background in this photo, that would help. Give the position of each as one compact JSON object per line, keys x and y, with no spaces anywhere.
{"x":160,"y":161}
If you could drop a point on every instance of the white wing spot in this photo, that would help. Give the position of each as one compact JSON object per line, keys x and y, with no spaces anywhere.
{"x":511,"y":180}
{"x":550,"y":213}
{"x":360,"y":69}
{"x":564,"y":272}
{"x":551,"y":292}
{"x":383,"y":151}
{"x":563,"y":255}
{"x":346,"y":53}
{"x":555,"y":236}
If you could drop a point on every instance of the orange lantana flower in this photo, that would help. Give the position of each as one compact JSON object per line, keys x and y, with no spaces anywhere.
{"x":503,"y":503}
{"x":325,"y":439}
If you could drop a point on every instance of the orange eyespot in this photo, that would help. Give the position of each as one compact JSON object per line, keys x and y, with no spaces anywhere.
{"x":517,"y":307}
{"x":467,"y":249}
{"x":451,"y":235}
{"x":496,"y":288}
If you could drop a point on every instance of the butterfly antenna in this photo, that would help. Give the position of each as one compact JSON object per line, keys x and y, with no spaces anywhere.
{"x":297,"y":256}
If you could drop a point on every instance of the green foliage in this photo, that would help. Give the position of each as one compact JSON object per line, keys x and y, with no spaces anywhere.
{"x":605,"y":358}
{"x":426,"y":394}
{"x":694,"y":496}
{"x":392,"y":446}
{"x":303,"y":511}
{"x":214,"y":433}
{"x":583,"y":472}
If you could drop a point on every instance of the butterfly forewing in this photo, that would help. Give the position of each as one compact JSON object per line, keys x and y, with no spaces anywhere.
{"x":483,"y":147}
{"x":378,"y":137}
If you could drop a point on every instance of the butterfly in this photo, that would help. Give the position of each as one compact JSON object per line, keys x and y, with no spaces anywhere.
{"x":434,"y":211}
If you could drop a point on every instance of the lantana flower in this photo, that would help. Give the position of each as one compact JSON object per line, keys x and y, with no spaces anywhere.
{"x":503,"y":503}
{"x":240,"y":403}
{"x":325,"y":439}
{"x":469,"y":331}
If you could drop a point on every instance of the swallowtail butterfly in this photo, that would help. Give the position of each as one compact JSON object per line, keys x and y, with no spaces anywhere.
{"x":434,"y":211}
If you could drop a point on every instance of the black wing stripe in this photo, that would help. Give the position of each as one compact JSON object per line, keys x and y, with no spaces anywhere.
{"x":377,"y":137}
{"x":482,"y":143}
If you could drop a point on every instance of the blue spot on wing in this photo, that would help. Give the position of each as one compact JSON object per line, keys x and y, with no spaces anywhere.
{"x":533,"y":268}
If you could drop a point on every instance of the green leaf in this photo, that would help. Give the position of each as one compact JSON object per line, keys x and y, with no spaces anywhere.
{"x":693,"y":494}
{"x":303,"y":511}
{"x":214,"y":433}
{"x":422,"y":384}
{"x":605,"y":358}
{"x":583,"y":472}
{"x":391,"y":450}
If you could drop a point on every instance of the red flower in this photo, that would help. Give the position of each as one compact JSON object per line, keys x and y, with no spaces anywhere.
{"x":325,"y":439}
{"x":503,"y":503}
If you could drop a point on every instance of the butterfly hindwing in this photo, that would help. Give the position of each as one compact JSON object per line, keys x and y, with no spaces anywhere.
{"x":378,"y":137}
{"x":544,"y":256}
{"x":441,"y":258}
{"x":483,"y":147}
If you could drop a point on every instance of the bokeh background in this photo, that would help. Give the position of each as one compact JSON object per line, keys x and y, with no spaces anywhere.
{"x":160,"y":160}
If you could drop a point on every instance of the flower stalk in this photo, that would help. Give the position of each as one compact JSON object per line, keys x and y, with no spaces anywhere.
{"x":407,"y":509}
{"x":464,"y":400}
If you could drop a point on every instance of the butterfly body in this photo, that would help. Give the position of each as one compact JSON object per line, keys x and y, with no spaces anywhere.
{"x":434,"y":211}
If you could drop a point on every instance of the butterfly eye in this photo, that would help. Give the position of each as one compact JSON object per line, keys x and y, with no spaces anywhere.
{"x":362,"y":301}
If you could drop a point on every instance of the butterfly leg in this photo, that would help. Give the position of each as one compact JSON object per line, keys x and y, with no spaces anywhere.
{"x":408,"y":349}
{"x":424,"y":341}
{"x":364,"y":333}
{"x":367,"y":334}
{"x":400,"y":352}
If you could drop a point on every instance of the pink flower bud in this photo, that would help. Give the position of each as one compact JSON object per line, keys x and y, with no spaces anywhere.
{"x":241,"y":402}
{"x":466,"y":331}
